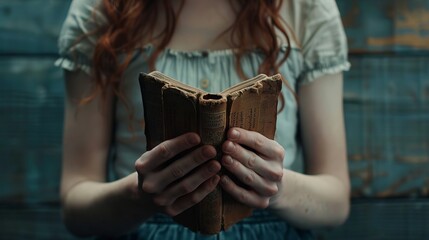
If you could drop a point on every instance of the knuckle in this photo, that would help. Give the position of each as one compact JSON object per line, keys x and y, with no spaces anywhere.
{"x":242,"y":196}
{"x":280,"y":152}
{"x":249,"y":178}
{"x":186,"y":188}
{"x":277,"y":175}
{"x":140,"y":164}
{"x":177,"y":172}
{"x":164,"y":150}
{"x":251,"y":161}
{"x":258,"y":143}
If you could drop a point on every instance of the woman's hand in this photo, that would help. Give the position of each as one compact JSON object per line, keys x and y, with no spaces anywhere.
{"x":185,"y":181}
{"x":257,"y":163}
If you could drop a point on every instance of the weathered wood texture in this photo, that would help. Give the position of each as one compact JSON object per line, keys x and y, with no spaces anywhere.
{"x":32,"y":222}
{"x":386,"y":106}
{"x":387,"y":118}
{"x":386,"y":25}
{"x":29,"y":27}
{"x":31,"y":110}
{"x":393,"y":219}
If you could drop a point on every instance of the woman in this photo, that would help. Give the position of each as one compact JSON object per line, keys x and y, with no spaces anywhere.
{"x":104,"y":44}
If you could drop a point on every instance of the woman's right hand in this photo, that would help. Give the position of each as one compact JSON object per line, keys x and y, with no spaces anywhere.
{"x":185,"y":181}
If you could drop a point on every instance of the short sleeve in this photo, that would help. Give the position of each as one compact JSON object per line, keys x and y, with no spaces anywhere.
{"x":77,"y":38}
{"x":324,"y":43}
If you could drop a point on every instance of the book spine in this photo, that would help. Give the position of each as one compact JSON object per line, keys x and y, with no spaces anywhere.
{"x":212,"y":119}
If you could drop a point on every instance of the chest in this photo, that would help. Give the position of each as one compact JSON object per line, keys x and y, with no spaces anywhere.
{"x":202,"y":25}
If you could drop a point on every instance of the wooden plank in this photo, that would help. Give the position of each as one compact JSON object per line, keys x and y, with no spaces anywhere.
{"x":31,"y":110}
{"x":32,"y":222}
{"x":383,"y":219}
{"x":387,"y":119}
{"x":31,"y":26}
{"x":386,"y":25}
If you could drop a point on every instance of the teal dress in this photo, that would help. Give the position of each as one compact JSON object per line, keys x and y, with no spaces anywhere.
{"x":318,"y":45}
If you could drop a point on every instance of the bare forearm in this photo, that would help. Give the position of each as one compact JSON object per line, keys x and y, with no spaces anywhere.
{"x":311,"y":201}
{"x":92,"y":208}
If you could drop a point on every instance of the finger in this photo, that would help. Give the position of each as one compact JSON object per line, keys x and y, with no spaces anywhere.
{"x":272,"y":170}
{"x":258,"y":142}
{"x":165,"y":151}
{"x":188,"y":185}
{"x":181,"y":167}
{"x":249,"y":177}
{"x":193,"y":198}
{"x":248,"y":197}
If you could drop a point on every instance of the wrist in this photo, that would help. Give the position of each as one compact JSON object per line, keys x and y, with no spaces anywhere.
{"x":280,"y":200}
{"x":141,"y":202}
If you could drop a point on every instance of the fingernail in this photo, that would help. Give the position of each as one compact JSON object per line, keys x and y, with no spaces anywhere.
{"x":228,"y":147}
{"x":208,"y":152}
{"x":193,"y":140}
{"x":234,"y":134}
{"x":213,"y":168}
{"x":224,"y":179}
{"x":215,"y":179}
{"x":227,"y":160}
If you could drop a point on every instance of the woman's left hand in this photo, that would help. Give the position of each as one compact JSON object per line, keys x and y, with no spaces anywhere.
{"x":256,"y":162}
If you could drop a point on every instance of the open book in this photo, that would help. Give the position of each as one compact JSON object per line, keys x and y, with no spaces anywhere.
{"x":172,"y":108}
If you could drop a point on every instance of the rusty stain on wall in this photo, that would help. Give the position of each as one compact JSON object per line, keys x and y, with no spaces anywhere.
{"x":414,"y":21}
{"x":367,"y":177}
{"x":349,"y":19}
{"x":411,"y":40}
{"x":364,"y":156}
{"x":393,"y":189}
{"x":417,"y":19}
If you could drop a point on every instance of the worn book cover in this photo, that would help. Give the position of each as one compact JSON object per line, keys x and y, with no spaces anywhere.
{"x":172,"y":108}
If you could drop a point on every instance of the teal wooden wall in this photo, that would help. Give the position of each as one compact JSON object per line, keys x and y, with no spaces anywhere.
{"x":386,"y":97}
{"x":31,"y":113}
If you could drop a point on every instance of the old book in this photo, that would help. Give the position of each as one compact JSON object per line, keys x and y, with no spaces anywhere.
{"x":172,"y":108}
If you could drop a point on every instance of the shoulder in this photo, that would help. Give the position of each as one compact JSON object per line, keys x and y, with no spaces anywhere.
{"x":77,"y":37}
{"x":305,"y":16}
{"x":84,"y":5}
{"x":318,"y":32}
{"x":83,"y":18}
{"x":84,"y":15}
{"x":300,"y":10}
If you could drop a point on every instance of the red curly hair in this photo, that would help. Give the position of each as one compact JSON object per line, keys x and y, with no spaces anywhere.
{"x":254,"y":28}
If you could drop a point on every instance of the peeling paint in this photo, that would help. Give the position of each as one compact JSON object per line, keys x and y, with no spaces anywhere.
{"x":393,"y":189}
{"x":364,"y":156}
{"x":416,"y":19}
{"x":411,"y":40}
{"x":349,"y":18}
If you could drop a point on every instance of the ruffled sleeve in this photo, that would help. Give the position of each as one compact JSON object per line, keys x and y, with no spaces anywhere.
{"x":324,"y":43}
{"x":77,"y":38}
